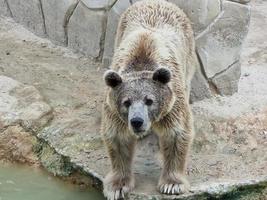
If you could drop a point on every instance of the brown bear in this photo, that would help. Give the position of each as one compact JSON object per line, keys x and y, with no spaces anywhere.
{"x":148,"y":89}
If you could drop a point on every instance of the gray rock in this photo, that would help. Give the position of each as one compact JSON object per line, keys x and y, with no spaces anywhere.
{"x":54,"y":162}
{"x":86,"y":29}
{"x":56,"y":14}
{"x":220,"y":45}
{"x":28,"y":13}
{"x":4,"y":11}
{"x":113,"y":20}
{"x":133,"y":1}
{"x":120,"y":6}
{"x":75,"y":136}
{"x":199,"y":88}
{"x":201,"y":13}
{"x":112,"y":23}
{"x":227,"y":81}
{"x":17,"y":146}
{"x":21,"y":104}
{"x":240,"y":1}
{"x":99,"y":4}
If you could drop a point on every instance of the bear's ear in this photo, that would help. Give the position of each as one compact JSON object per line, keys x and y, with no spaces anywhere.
{"x":162,"y":75}
{"x":112,"y":78}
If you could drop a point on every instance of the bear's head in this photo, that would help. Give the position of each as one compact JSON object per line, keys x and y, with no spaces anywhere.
{"x":139,"y":99}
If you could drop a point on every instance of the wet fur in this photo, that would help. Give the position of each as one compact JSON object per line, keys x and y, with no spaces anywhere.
{"x":152,"y":34}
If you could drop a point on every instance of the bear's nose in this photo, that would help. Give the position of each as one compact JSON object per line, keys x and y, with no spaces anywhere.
{"x":137,"y":122}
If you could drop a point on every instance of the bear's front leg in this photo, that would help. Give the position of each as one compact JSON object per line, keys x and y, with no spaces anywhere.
{"x":119,"y":181}
{"x":174,"y":145}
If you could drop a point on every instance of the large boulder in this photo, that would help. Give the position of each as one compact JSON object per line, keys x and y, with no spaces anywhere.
{"x":99,"y":4}
{"x":28,"y":13}
{"x":113,"y":19}
{"x":200,"y":87}
{"x":56,"y":15}
{"x":22,"y":113}
{"x":220,"y":45}
{"x":86,"y":30}
{"x":241,"y":1}
{"x":4,"y":10}
{"x":226,"y":82}
{"x":23,"y":105}
{"x":202,"y":13}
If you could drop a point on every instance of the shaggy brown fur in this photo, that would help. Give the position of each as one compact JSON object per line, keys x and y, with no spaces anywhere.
{"x":152,"y":34}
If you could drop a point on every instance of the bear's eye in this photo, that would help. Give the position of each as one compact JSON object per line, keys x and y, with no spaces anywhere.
{"x":127,"y":103}
{"x":148,"y":102}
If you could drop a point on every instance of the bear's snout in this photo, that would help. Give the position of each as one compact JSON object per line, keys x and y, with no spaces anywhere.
{"x":137,"y":123}
{"x":138,"y":118}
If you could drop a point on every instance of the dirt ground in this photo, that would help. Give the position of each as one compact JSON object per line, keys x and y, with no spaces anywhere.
{"x":231,"y":132}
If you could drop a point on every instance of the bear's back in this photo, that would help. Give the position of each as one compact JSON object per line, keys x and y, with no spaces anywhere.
{"x":154,"y":33}
{"x":157,"y":14}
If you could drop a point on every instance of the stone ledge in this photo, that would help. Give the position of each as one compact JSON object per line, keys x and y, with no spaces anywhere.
{"x":211,"y":158}
{"x":22,"y":105}
{"x":71,"y":142}
{"x":255,"y":189}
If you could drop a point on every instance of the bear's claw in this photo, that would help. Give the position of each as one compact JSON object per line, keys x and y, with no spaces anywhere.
{"x":177,"y":188}
{"x":116,"y":187}
{"x":116,"y":194}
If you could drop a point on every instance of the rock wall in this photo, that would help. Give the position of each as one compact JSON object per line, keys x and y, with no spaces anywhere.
{"x":89,"y":26}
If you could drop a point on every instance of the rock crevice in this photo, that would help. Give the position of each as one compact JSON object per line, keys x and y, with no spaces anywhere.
{"x":67,"y":17}
{"x":8,"y":8}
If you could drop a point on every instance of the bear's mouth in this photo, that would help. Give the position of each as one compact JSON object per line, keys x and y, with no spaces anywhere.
{"x":140,"y":133}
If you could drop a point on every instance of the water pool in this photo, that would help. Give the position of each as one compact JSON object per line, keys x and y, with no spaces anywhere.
{"x":24,"y":183}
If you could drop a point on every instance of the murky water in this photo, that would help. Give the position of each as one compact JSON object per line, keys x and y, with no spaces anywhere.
{"x":23,"y":183}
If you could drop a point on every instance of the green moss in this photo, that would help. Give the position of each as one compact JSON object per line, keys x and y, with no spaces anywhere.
{"x":37,"y":147}
{"x":52,"y":161}
{"x":248,"y":192}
